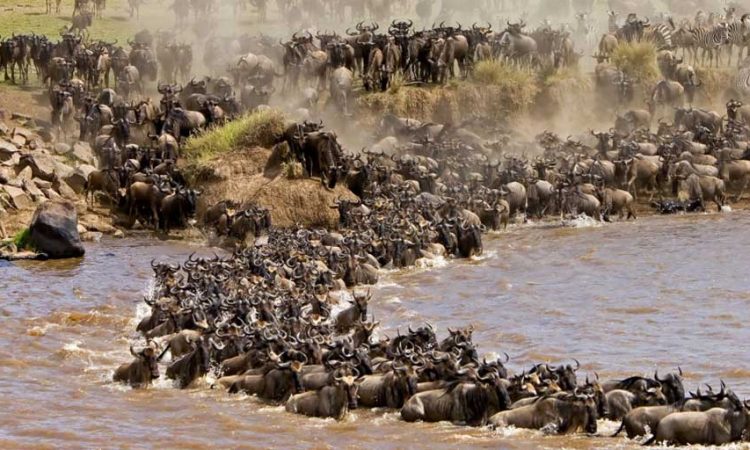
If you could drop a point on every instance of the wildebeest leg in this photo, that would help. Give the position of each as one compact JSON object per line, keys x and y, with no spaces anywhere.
{"x":155,"y":214}
{"x":632,"y":188}
{"x":742,"y":189}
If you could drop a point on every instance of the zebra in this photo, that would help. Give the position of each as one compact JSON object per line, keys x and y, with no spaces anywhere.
{"x":612,"y":23}
{"x":742,"y":82}
{"x":684,"y":38}
{"x":710,"y":40}
{"x":586,"y":30}
{"x":660,"y":35}
{"x":739,"y":36}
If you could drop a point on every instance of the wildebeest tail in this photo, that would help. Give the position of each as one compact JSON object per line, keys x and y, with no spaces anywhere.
{"x":619,"y":430}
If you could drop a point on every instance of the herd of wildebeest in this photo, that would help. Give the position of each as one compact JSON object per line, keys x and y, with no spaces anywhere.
{"x":261,"y":320}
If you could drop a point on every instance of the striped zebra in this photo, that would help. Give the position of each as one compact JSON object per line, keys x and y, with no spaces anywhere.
{"x":742,"y":83}
{"x":739,"y":36}
{"x":660,"y":35}
{"x":612,"y":22}
{"x":683,"y":38}
{"x":711,"y":40}
{"x":586,"y":31}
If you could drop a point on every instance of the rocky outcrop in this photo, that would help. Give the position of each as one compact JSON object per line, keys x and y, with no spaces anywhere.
{"x":54,"y":230}
{"x":17,"y":197}
{"x":33,"y":172}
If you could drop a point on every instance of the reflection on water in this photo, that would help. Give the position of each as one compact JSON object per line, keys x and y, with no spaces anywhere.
{"x":623,"y":299}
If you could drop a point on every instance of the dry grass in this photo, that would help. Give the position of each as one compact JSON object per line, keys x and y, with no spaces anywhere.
{"x":495,"y":90}
{"x":638,"y":61}
{"x":242,"y":177}
{"x":715,"y":83}
{"x":261,"y":129}
{"x":563,"y":89}
{"x":292,"y":170}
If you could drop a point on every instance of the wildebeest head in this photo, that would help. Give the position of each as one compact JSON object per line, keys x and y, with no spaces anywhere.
{"x":595,"y":389}
{"x":194,"y":364}
{"x":566,"y":375}
{"x":424,"y":337}
{"x":346,"y":380}
{"x":671,"y":386}
{"x":148,"y":357}
{"x":654,"y":395}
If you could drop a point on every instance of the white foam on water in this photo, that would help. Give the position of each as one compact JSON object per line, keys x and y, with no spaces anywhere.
{"x":431,"y":263}
{"x":41,"y":330}
{"x":387,"y":284}
{"x":726,"y":209}
{"x":484,"y":256}
{"x":582,"y":221}
{"x":74,"y":348}
{"x":393,"y":300}
{"x":513,"y":431}
{"x":142,"y":309}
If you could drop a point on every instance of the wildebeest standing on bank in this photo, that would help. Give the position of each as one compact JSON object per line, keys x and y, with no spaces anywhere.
{"x":342,"y":81}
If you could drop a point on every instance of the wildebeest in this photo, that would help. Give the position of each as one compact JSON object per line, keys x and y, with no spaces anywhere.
{"x":389,"y":390}
{"x":63,"y":112}
{"x":341,"y":87}
{"x":194,"y":364}
{"x":472,"y":403}
{"x":182,"y":123}
{"x":102,"y":181}
{"x":703,"y":189}
{"x":129,"y":82}
{"x":177,"y":207}
{"x":333,"y":400}
{"x":716,"y":426}
{"x":569,"y":414}
{"x":346,"y":319}
{"x":321,"y":156}
{"x":142,"y":371}
{"x":620,"y":402}
{"x":278,"y":383}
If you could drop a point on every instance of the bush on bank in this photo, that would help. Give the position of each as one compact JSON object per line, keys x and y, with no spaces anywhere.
{"x":638,"y":61}
{"x":258,"y":129}
{"x":495,"y":90}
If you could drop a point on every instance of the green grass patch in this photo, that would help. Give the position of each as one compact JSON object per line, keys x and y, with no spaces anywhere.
{"x":22,"y":239}
{"x":28,"y":16}
{"x":259,"y":129}
{"x":638,"y":61}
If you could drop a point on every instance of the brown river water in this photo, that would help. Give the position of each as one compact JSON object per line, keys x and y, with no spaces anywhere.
{"x":624,"y":299}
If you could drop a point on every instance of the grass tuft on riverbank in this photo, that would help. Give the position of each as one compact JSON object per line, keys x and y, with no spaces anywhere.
{"x":496,"y":90}
{"x":638,"y":61}
{"x":259,"y":129}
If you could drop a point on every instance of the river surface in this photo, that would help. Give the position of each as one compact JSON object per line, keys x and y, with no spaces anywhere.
{"x":624,"y":299}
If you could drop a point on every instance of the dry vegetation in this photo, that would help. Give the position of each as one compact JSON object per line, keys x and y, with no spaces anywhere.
{"x":496,"y":90}
{"x":235,"y":162}
{"x":259,"y":129}
{"x":638,"y":61}
{"x":254,"y":176}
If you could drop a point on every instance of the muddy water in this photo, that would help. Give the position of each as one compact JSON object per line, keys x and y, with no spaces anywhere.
{"x":623,"y":299}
